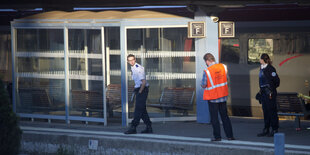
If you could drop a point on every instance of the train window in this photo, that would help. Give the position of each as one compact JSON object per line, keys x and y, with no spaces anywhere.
{"x":230,"y":51}
{"x":292,"y":43}
{"x":257,"y":47}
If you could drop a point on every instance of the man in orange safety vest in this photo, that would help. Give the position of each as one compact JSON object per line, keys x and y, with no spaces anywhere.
{"x":214,"y":82}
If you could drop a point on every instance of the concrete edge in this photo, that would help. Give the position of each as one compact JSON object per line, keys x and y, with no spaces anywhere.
{"x":116,"y":140}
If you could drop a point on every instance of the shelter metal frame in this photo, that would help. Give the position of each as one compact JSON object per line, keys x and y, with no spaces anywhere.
{"x":100,"y":24}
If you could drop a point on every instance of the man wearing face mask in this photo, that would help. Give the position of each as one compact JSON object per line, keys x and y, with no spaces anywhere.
{"x":268,"y":82}
{"x":214,"y":82}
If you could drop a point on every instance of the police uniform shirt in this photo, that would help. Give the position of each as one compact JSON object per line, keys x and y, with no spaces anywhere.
{"x":263,"y":81}
{"x":138,"y":75}
{"x":271,"y":76}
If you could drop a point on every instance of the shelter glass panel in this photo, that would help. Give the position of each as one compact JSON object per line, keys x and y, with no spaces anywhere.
{"x":85,"y":73}
{"x":40,"y":96}
{"x":40,"y":40}
{"x":40,"y":71}
{"x":168,"y":58}
{"x":113,"y":72}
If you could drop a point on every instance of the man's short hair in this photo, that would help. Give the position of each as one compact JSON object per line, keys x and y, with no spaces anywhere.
{"x":131,"y":55}
{"x":209,"y":57}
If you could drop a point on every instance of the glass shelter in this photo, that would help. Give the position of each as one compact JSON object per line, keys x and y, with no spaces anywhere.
{"x":72,"y":66}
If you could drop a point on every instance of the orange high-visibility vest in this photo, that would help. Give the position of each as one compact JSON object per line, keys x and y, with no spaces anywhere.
{"x":216,"y":82}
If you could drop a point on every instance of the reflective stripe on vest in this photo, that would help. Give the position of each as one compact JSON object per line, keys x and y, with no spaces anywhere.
{"x":211,"y":81}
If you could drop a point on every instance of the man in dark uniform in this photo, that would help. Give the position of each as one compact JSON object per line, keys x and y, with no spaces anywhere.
{"x":268,"y":82}
{"x":141,"y":90}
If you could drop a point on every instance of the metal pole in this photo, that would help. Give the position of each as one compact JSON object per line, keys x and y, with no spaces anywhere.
{"x":103,"y":78}
{"x":14,"y":81}
{"x":108,"y":65}
{"x":86,"y":60}
{"x":124,"y":82}
{"x":279,"y":142}
{"x":66,"y":61}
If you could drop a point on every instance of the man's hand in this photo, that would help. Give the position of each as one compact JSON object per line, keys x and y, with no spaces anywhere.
{"x":142,"y":86}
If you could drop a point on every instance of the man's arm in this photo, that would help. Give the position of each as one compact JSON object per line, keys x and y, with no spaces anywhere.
{"x":204,"y":80}
{"x":142,"y":85}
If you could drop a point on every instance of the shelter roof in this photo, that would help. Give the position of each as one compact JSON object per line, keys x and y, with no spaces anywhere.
{"x":102,"y":15}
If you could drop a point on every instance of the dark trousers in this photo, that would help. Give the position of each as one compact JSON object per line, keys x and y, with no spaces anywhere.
{"x":140,"y":108}
{"x":215,"y":109}
{"x":270,"y":111}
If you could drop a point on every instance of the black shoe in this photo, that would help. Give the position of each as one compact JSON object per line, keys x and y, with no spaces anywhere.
{"x":271,"y":134}
{"x":216,"y":139}
{"x":148,"y":129}
{"x":264,"y":133}
{"x":131,"y":130}
{"x":231,"y":138}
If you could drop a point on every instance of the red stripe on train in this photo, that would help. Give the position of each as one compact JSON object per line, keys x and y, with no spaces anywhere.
{"x":284,"y":61}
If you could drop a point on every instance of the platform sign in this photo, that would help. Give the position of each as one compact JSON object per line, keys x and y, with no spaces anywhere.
{"x":196,"y":30}
{"x":226,"y":29}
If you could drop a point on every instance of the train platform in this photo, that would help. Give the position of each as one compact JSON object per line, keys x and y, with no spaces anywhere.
{"x":184,"y":137}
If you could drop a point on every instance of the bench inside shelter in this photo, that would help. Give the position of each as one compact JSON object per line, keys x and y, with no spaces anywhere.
{"x":87,"y":101}
{"x":113,"y":97}
{"x":34,"y":100}
{"x":289,"y":104}
{"x":92,"y":101}
{"x":180,"y":99}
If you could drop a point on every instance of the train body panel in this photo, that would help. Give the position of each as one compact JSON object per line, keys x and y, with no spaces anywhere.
{"x":293,"y":70}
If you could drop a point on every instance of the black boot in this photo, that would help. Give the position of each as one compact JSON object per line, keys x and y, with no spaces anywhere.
{"x":131,"y":130}
{"x":264,"y":133}
{"x":271,"y":134}
{"x":148,"y":129}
